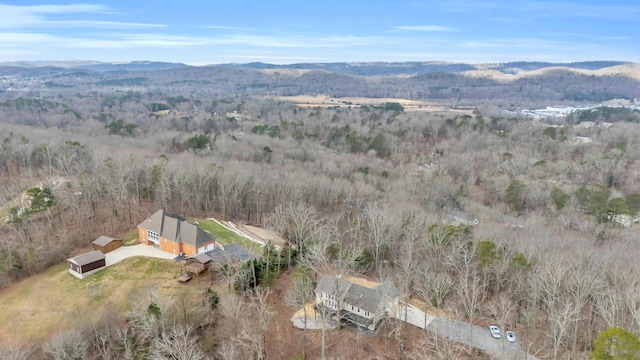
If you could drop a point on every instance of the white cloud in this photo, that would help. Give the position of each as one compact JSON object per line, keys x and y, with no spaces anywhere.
{"x":522,"y":43}
{"x":51,"y":9}
{"x":616,"y":38}
{"x":293,"y":41}
{"x":36,"y":16}
{"x":549,"y":9}
{"x":97,"y":24}
{"x":425,"y":28}
{"x":234,"y":28}
{"x":24,"y":38}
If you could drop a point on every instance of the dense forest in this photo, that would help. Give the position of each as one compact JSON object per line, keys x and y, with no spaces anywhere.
{"x":366,"y":190}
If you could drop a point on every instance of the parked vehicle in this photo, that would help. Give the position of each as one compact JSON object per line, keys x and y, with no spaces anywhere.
{"x":495,"y":331}
{"x":511,"y":336}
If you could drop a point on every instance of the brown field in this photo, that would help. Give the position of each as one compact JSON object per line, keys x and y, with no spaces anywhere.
{"x":324,"y":101}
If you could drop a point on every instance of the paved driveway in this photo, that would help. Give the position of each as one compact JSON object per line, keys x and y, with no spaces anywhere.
{"x":124,"y":252}
{"x":478,"y":337}
{"x":461,"y":332}
{"x":412,"y":315}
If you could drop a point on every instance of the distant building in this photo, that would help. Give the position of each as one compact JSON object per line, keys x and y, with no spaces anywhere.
{"x":582,"y":139}
{"x":456,"y":218}
{"x":624,"y":220}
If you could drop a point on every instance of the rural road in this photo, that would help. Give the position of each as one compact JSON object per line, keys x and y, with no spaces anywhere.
{"x":475,"y":336}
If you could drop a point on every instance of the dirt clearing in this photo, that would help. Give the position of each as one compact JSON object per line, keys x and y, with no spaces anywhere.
{"x":261,"y":234}
{"x":408,"y":105}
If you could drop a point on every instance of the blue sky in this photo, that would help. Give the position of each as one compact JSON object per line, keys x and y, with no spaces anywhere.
{"x":284,"y":32}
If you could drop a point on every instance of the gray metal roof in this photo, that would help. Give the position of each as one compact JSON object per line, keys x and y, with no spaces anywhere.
{"x":175,"y":228}
{"x":104,"y":240}
{"x":87,"y":258}
{"x":370,"y":299}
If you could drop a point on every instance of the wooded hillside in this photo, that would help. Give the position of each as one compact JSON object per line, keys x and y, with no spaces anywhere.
{"x":370,"y":190}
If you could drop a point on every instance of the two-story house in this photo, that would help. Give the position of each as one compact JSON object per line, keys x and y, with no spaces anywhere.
{"x":173,"y":234}
{"x":357,"y":301}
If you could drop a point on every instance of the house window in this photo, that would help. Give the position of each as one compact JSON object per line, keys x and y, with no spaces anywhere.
{"x":153,"y":236}
{"x":366,"y":313}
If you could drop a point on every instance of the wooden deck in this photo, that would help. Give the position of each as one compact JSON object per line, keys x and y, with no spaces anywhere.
{"x":194,"y":267}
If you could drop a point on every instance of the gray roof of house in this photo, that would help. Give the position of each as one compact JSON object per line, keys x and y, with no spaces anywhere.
{"x":362,"y":297}
{"x":171,"y":229}
{"x":335,"y":285}
{"x":175,"y":228}
{"x":365,"y":298}
{"x":87,"y":258}
{"x":192,"y":234}
{"x":154,"y":222}
{"x":104,"y":240}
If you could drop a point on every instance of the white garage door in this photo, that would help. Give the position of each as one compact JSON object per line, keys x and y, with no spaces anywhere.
{"x":201,"y":250}
{"x":209,"y":247}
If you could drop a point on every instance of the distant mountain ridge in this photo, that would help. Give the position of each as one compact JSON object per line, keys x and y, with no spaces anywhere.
{"x":349,"y":68}
{"x":96,"y":66}
{"x":417,"y":68}
{"x":464,"y":84}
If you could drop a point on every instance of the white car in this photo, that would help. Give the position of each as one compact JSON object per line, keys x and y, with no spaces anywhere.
{"x":511,"y":336}
{"x":495,"y":331}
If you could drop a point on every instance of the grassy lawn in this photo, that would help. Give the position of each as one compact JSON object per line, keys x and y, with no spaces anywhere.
{"x":226,"y":237}
{"x":54,"y":300}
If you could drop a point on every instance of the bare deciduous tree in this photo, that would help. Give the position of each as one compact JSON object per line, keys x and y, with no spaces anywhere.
{"x":381,"y":228}
{"x":69,"y":345}
{"x":176,"y":343}
{"x":263,"y":313}
{"x":299,"y":295}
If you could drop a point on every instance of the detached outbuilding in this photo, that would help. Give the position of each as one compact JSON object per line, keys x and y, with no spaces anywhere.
{"x":86,"y":264}
{"x":106,"y":244}
{"x":197,"y":264}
